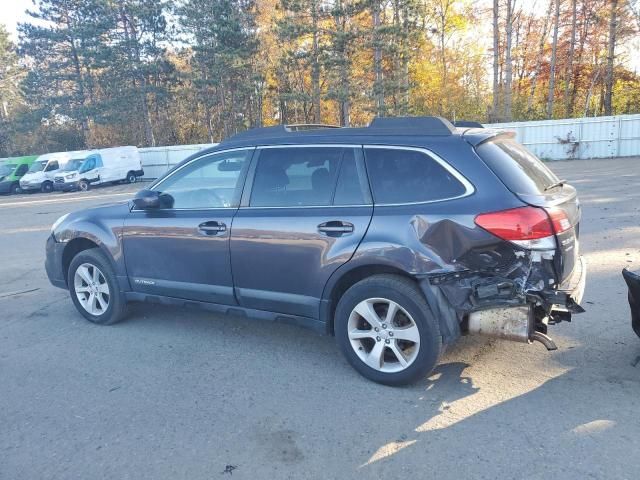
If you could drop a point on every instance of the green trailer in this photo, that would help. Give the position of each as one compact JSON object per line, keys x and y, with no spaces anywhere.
{"x":11,"y":170}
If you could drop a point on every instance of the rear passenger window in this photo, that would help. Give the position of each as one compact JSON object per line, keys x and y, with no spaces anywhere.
{"x":406,"y":176}
{"x":296,"y":176}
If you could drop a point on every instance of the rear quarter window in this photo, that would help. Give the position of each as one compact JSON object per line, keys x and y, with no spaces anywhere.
{"x":409,"y":176}
{"x":519,"y":169}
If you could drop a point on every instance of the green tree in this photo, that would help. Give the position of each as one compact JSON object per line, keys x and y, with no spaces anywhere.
{"x":63,"y":49}
{"x":223,"y":37}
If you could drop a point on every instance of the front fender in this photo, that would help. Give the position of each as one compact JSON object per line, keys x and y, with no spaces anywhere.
{"x":102,"y":226}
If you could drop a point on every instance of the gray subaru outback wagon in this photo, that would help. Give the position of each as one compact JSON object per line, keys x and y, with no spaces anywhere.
{"x":396,"y":238}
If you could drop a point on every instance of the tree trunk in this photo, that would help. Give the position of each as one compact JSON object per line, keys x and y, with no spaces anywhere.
{"x":496,"y":59}
{"x":378,"y":86}
{"x":552,"y":66}
{"x":572,"y":47}
{"x":584,"y":34}
{"x":315,"y":64}
{"x":405,"y":60}
{"x":609,"y":78}
{"x":594,"y":80}
{"x":536,"y":72}
{"x":508,"y":62}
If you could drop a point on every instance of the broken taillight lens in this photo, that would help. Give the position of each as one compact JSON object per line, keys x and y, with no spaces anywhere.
{"x":528,"y":227}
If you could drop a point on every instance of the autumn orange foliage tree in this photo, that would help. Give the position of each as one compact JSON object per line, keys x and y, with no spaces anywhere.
{"x":150,"y":72}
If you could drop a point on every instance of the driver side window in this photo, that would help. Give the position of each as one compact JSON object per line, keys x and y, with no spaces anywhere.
{"x":213,"y":181}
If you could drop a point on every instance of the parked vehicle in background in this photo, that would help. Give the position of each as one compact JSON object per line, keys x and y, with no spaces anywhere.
{"x":107,"y":165}
{"x":396,"y":238}
{"x":12,"y":170}
{"x":633,"y":284}
{"x":41,"y":174}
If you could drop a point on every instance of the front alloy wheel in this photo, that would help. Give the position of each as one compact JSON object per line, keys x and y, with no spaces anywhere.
{"x":93,"y":286}
{"x":92,"y":289}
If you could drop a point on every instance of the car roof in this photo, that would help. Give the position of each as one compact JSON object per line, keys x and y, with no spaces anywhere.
{"x":386,"y":130}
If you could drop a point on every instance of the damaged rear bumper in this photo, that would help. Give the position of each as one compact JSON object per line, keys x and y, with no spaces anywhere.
{"x":567,"y":297}
{"x":496,"y":307}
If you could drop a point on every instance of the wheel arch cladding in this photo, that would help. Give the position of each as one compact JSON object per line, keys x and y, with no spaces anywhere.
{"x":73,"y":247}
{"x":339,"y":284}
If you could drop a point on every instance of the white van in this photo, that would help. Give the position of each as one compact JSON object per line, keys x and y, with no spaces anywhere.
{"x":107,"y":165}
{"x":41,"y":174}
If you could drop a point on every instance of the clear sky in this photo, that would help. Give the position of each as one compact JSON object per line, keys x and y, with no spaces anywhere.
{"x":12,"y":12}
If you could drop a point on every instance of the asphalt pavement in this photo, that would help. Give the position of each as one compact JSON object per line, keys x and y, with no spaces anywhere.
{"x":178,"y":394}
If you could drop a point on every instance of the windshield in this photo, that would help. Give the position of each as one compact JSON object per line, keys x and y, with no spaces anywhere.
{"x":38,"y":166}
{"x":73,"y":165}
{"x":7,"y":169}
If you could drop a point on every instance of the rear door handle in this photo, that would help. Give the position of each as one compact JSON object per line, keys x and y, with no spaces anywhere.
{"x":212,"y":228}
{"x":335,"y":227}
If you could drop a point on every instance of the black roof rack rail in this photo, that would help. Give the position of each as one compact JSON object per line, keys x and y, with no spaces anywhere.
{"x":299,"y":127}
{"x":419,"y":125}
{"x":277,"y":130}
{"x":430,"y":126}
{"x":467,"y":124}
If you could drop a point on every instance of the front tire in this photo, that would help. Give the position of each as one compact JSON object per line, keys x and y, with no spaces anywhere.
{"x":83,"y":185}
{"x":386,"y":330}
{"x":94,"y":289}
{"x":46,"y":187}
{"x":15,"y":189}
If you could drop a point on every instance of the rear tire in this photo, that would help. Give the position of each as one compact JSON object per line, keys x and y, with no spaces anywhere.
{"x":46,"y":187}
{"x":15,"y":189}
{"x":94,"y":288}
{"x":131,"y":177}
{"x":405,"y":348}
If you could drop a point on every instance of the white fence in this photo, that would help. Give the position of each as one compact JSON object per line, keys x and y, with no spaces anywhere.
{"x":157,"y":160}
{"x":591,"y":137}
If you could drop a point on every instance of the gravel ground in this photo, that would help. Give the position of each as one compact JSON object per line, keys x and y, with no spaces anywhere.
{"x":172,"y":393}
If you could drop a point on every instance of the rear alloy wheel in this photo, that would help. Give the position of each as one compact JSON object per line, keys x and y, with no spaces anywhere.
{"x":386,"y":330}
{"x":83,"y":185}
{"x":131,"y":177}
{"x":94,"y":288}
{"x":46,"y":187}
{"x":383,"y":335}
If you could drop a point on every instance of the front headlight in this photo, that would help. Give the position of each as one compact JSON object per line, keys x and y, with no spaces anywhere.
{"x":57,"y":223}
{"x":70,"y":176}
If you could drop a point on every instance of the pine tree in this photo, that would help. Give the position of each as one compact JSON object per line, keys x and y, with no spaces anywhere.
{"x":136,"y":61}
{"x":64,"y":48}
{"x":224,"y":44}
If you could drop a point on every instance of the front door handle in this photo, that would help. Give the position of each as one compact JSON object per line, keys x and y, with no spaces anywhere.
{"x":335,"y":228}
{"x":212,"y":228}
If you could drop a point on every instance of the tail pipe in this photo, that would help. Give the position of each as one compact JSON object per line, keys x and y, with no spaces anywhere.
{"x":508,"y":323}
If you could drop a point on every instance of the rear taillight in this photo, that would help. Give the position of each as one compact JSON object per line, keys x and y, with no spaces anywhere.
{"x":559,"y":219}
{"x":528,"y":227}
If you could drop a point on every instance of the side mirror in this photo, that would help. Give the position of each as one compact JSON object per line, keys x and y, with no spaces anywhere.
{"x":146,"y":200}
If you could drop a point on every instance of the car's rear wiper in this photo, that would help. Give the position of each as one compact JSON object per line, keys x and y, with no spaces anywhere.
{"x":559,"y":183}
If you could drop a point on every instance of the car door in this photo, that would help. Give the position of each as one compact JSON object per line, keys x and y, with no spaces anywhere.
{"x":51,"y":169}
{"x":88,"y":170}
{"x":182,"y":248}
{"x":308,"y":209}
